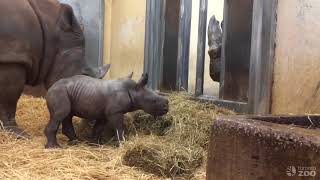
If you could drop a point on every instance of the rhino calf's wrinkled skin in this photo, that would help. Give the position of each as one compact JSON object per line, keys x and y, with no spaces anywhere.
{"x":102,"y":100}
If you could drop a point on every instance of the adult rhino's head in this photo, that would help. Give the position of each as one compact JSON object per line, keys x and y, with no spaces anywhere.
{"x":69,"y":59}
{"x":146,"y":99}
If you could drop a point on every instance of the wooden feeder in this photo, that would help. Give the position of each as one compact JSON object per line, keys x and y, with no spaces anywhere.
{"x":270,"y":147}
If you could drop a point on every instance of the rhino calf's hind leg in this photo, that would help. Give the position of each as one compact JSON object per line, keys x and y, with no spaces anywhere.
{"x":12,"y":80}
{"x":68,"y":129}
{"x":59,"y":107}
{"x":98,"y":130}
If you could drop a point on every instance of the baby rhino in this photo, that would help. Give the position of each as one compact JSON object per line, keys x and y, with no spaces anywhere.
{"x":104,"y":100}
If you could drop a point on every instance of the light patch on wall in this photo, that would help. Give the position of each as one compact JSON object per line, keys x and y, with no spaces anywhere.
{"x":125,"y":40}
{"x":297,"y":66}
{"x":128,"y":31}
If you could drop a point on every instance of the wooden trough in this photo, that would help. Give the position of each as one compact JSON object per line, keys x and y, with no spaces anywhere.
{"x":268,"y":147}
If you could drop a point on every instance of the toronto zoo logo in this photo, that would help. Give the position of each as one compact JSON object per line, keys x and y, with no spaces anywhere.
{"x":301,"y":171}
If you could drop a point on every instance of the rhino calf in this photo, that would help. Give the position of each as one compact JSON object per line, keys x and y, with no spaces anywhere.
{"x":103,"y":100}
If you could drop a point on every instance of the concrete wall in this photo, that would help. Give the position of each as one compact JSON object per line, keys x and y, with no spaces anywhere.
{"x":215,"y":7}
{"x":297,"y":62}
{"x":124,"y":36}
{"x":124,"y":39}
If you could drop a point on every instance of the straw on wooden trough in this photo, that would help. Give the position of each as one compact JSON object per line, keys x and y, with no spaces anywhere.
{"x":175,"y":144}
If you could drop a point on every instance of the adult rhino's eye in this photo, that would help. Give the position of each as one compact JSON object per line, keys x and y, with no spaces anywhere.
{"x":154,"y":101}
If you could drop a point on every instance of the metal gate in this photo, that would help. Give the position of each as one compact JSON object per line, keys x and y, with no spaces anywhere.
{"x":246,"y":57}
{"x":90,"y":15}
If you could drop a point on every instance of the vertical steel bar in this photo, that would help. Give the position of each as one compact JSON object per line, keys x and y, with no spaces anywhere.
{"x":152,"y":41}
{"x":180,"y":46}
{"x":223,"y":49}
{"x":186,"y":43}
{"x":101,"y":34}
{"x":156,"y":42}
{"x":201,"y":46}
{"x":147,"y":38}
{"x":161,"y":43}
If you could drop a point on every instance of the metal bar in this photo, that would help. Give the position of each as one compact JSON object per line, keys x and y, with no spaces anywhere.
{"x":162,"y":38}
{"x":184,"y":44}
{"x":201,"y":47}
{"x":223,"y":49}
{"x":152,"y":42}
{"x":147,"y":37}
{"x":180,"y":46}
{"x":157,"y":3}
{"x":101,"y":39}
{"x":238,"y":107}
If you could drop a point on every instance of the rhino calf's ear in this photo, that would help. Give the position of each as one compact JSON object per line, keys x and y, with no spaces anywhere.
{"x":143,"y":80}
{"x":130,"y":75}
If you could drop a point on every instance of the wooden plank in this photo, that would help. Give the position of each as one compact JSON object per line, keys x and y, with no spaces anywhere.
{"x":262,"y":56}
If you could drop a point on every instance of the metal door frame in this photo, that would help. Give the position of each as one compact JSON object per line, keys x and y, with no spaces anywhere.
{"x":261,"y":64}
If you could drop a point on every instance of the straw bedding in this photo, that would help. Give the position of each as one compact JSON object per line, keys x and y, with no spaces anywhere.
{"x":166,"y":147}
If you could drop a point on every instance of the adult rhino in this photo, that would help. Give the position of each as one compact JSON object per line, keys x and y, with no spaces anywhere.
{"x":215,"y":44}
{"x":41,"y":42}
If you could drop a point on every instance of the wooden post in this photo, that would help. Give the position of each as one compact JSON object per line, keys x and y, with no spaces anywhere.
{"x":262,"y":56}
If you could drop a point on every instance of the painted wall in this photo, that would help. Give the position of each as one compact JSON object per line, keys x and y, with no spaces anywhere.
{"x":215,"y":7}
{"x":124,"y":37}
{"x":296,"y":86}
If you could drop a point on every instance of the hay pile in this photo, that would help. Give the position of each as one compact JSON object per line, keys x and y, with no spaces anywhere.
{"x":171,"y":146}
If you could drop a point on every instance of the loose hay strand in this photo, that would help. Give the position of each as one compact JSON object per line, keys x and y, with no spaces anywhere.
{"x":177,"y":143}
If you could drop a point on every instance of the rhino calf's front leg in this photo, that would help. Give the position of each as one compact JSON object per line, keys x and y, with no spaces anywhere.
{"x":116,"y":122}
{"x":98,"y":130}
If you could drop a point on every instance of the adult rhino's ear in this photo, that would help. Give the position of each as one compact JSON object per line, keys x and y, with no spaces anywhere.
{"x":98,"y":73}
{"x":143,"y":81}
{"x":68,"y":20}
{"x":102,"y":71}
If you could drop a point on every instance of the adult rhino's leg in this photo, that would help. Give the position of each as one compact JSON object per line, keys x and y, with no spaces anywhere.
{"x":12,"y":80}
